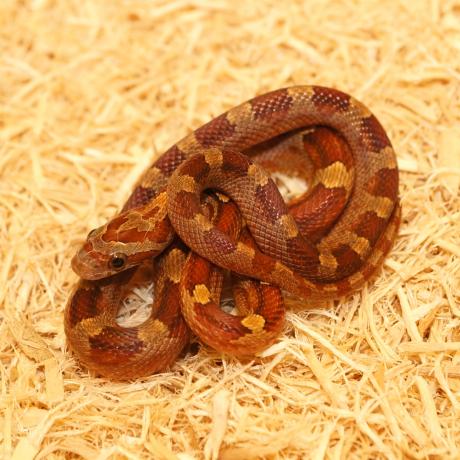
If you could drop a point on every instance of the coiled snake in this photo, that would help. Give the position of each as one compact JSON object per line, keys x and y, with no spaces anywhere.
{"x":322,"y":245}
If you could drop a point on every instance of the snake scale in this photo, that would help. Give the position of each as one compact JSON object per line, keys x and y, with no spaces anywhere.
{"x":209,"y":204}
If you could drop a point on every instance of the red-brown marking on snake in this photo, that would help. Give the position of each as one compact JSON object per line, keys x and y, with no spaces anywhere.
{"x":324,"y":245}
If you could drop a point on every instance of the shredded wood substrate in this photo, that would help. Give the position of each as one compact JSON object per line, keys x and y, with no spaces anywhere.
{"x":92,"y":91}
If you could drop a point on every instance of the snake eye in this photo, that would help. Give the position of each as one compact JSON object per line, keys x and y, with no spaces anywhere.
{"x":118,"y":261}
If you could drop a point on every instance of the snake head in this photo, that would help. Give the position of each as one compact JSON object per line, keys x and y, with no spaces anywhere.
{"x":99,"y":257}
{"x":124,"y":242}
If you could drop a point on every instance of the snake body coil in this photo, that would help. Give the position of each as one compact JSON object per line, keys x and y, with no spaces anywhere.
{"x":322,"y":245}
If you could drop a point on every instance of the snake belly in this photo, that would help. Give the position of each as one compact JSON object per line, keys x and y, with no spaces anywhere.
{"x":323,"y":245}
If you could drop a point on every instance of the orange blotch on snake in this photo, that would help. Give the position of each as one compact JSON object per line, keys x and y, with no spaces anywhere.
{"x":201,"y":294}
{"x":288,"y":223}
{"x":260,"y":176}
{"x":328,"y":261}
{"x":381,"y":205}
{"x":254,"y":322}
{"x":361,"y":246}
{"x":334,"y":176}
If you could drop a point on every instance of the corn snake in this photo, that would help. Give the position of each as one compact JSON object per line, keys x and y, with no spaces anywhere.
{"x":323,"y":245}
